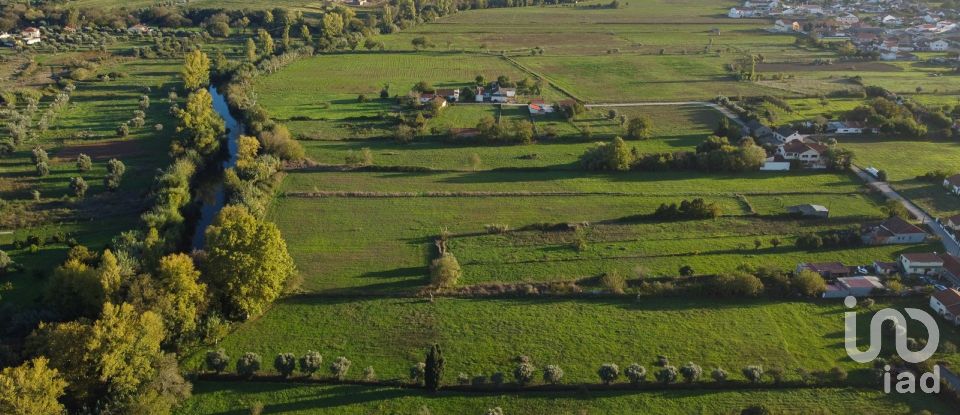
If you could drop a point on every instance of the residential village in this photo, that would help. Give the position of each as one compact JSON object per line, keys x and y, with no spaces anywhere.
{"x":886,"y":30}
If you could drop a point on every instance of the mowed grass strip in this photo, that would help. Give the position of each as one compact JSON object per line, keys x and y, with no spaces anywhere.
{"x":676,"y":183}
{"x":235,"y":398}
{"x":484,"y":336}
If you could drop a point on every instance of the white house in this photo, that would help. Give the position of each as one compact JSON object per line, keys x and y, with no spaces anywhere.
{"x":891,"y":20}
{"x":30,"y":35}
{"x":921,"y":263}
{"x":810,"y":154}
{"x":939,"y":45}
{"x":946,"y":303}
{"x":6,"y":39}
{"x":848,"y":20}
{"x":787,"y":134}
{"x":735,"y":13}
{"x":952,"y":184}
{"x":894,"y":230}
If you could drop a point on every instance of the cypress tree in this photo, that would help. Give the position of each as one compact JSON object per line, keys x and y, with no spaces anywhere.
{"x":434,"y":370}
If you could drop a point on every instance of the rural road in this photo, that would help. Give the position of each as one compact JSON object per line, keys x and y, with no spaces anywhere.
{"x":723,"y":110}
{"x":949,"y":243}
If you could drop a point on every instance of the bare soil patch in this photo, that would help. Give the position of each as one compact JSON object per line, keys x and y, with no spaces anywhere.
{"x":103,"y":150}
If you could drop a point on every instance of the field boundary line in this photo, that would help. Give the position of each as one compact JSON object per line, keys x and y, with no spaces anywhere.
{"x":387,"y":195}
{"x":553,"y":84}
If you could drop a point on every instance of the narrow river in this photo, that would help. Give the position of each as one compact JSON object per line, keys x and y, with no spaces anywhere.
{"x":213,"y":193}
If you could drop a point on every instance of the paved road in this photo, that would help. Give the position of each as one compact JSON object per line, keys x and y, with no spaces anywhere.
{"x":723,"y":110}
{"x":949,"y":243}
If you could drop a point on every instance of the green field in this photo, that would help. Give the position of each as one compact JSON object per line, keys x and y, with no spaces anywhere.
{"x":484,"y":336}
{"x":904,"y":160}
{"x":236,"y":398}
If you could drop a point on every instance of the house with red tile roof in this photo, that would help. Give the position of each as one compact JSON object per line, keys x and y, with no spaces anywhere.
{"x":947,"y":304}
{"x":894,"y":230}
{"x":811,"y":154}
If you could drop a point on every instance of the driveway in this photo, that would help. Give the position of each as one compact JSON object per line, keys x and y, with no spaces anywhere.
{"x":949,"y":243}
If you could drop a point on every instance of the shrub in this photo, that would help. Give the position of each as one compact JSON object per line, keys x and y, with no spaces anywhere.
{"x":691,"y":372}
{"x":612,"y":156}
{"x":523,"y":373}
{"x":639,"y":128}
{"x":285,"y":364}
{"x":79,"y":187}
{"x":636,"y":373}
{"x":84,"y":163}
{"x":608,"y":372}
{"x":445,"y":271}
{"x":43,"y":169}
{"x":737,"y":284}
{"x":719,"y":375}
{"x":776,"y":374}
{"x":123,"y":130}
{"x":753,"y":373}
{"x":495,"y":411}
{"x":667,"y":374}
{"x":310,"y":362}
{"x":614,"y":282}
{"x":686,"y":271}
{"x":417,"y":371}
{"x":340,"y":367}
{"x":39,"y":155}
{"x":809,"y":283}
{"x":248,"y":364}
{"x":369,"y":374}
{"x":552,"y":374}
{"x":498,"y":378}
{"x":463,"y":379}
{"x":217,"y":360}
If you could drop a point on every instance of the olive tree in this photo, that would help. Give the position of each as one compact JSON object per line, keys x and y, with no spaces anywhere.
{"x":340,"y":367}
{"x":285,"y":364}
{"x":248,"y":364}
{"x":552,"y":374}
{"x":608,"y":372}
{"x":217,"y":360}
{"x":636,"y":373}
{"x":310,"y":363}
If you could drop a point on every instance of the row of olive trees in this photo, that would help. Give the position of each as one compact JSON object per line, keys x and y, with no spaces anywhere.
{"x":248,"y":364}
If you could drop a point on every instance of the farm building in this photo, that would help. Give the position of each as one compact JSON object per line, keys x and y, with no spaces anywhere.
{"x":861,"y":286}
{"x":886,"y":268}
{"x":892,"y":231}
{"x":808,"y":210}
{"x":539,"y":107}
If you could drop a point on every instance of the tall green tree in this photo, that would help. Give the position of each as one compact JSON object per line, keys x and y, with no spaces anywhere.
{"x":182,"y":295}
{"x":32,"y":388}
{"x":247,"y":261}
{"x":196,"y":70}
{"x":251,"y":50}
{"x":433,"y":374}
{"x":199,"y":127}
{"x":266,"y":42}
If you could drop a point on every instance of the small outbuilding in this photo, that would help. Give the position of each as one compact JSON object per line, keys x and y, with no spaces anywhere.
{"x":808,"y":210}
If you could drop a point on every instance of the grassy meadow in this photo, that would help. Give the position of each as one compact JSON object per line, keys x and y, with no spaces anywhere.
{"x":235,"y":399}
{"x":484,"y":336}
